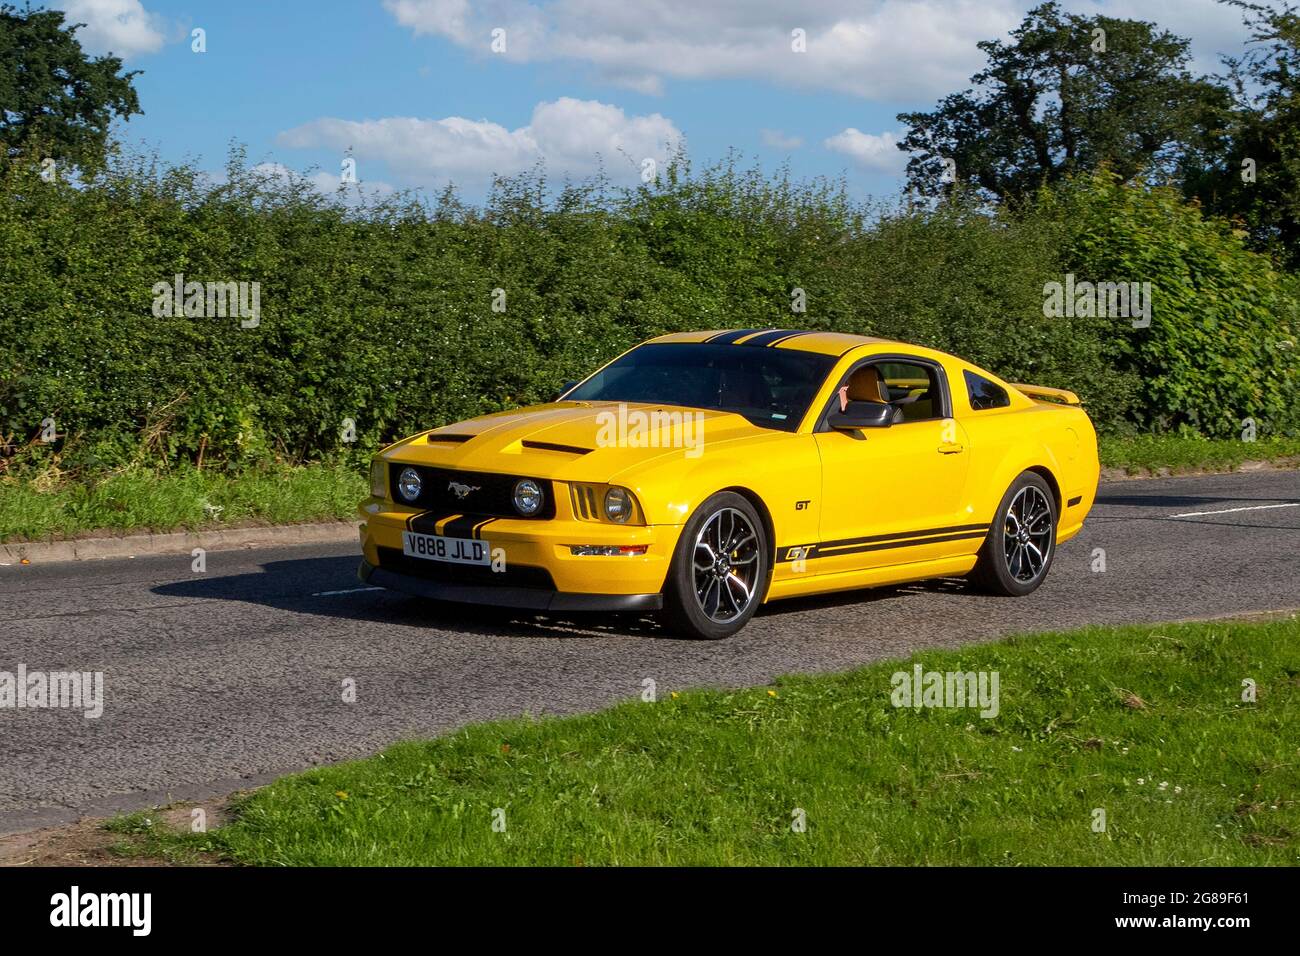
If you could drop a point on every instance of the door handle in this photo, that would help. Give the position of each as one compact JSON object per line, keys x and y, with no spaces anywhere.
{"x":951,"y":448}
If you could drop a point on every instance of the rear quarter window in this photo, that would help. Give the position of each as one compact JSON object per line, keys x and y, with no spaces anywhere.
{"x":984,"y":394}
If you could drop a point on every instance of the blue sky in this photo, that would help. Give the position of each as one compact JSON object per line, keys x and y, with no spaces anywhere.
{"x":416,"y":93}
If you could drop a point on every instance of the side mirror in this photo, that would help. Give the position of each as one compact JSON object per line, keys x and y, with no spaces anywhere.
{"x":862,"y":415}
{"x":567,"y":386}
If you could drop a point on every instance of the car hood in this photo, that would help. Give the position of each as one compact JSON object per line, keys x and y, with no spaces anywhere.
{"x":575,"y":441}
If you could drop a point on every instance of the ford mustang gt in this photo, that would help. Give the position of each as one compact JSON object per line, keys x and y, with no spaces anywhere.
{"x":701,"y":474}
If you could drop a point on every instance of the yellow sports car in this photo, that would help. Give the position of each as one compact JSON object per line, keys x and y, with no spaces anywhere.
{"x":701,"y":474}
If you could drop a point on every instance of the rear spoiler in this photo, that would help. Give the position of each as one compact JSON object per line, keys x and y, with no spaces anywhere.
{"x":1043,"y":394}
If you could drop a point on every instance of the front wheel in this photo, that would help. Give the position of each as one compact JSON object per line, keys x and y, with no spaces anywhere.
{"x":719,"y":570}
{"x":1022,"y":541}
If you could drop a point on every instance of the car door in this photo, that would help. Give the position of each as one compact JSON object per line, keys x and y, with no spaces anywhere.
{"x":895,"y":495}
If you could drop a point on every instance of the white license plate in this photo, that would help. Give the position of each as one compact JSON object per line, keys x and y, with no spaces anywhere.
{"x":435,"y":547}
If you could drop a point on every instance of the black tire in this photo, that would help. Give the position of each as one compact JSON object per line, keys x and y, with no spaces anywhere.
{"x":1019,"y":549}
{"x":694,"y":607}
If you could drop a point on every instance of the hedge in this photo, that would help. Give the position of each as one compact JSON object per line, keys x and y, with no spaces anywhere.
{"x":382,"y":312}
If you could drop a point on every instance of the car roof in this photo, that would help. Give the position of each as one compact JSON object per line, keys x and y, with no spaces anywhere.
{"x":825,"y":343}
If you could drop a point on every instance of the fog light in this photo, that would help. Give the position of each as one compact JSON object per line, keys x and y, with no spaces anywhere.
{"x":607,"y":550}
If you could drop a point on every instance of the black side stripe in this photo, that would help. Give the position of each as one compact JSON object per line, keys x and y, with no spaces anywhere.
{"x":858,"y":549}
{"x":726,"y":338}
{"x":881,"y":542}
{"x":773,"y":337}
{"x":906,"y":534}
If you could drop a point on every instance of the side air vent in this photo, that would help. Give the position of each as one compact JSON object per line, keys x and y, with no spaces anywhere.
{"x":584,"y":502}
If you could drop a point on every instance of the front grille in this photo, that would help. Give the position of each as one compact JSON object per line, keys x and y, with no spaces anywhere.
{"x":516,"y":576}
{"x":490,"y":494}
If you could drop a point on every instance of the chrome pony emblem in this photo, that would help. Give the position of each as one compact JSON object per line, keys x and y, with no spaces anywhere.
{"x":462,"y":490}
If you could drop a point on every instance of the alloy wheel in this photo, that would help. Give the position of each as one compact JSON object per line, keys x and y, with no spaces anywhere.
{"x":1027,"y":534}
{"x":725,"y":564}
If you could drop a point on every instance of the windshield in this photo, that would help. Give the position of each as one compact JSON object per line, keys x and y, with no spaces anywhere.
{"x":769,"y":387}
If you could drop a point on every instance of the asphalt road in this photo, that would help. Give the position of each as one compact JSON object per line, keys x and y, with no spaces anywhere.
{"x":217,"y":680}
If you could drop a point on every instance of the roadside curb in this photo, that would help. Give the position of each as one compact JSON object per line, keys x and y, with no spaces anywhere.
{"x":178,"y":542}
{"x":1115,"y":473}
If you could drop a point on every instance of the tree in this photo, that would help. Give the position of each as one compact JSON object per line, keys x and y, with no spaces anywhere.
{"x":1254,"y":175}
{"x":1069,"y":93}
{"x":53,"y":96}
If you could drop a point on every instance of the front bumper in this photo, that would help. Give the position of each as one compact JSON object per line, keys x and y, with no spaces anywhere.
{"x":540,"y":570}
{"x":534,"y":599}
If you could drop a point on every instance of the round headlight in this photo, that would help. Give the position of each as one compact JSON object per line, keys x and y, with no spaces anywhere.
{"x":409,"y":484}
{"x":618,"y":505}
{"x":528,"y":497}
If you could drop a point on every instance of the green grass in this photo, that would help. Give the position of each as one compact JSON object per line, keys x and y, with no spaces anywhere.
{"x":1150,"y":453}
{"x":144,"y":500}
{"x":1146,"y":723}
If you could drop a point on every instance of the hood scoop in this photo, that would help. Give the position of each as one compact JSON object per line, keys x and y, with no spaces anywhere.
{"x":447,"y":437}
{"x":555,"y":446}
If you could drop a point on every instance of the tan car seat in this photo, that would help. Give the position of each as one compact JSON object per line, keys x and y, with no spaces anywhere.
{"x":867,"y":385}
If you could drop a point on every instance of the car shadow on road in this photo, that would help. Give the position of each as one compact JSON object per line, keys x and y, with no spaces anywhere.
{"x":839,"y":600}
{"x":328,"y":587}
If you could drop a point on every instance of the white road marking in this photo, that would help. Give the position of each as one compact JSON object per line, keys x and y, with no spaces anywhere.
{"x":348,"y":591}
{"x":1228,"y":511}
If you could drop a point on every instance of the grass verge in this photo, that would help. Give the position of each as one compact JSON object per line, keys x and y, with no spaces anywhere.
{"x":144,"y":500}
{"x":1146,"y":724}
{"x":1156,"y":453}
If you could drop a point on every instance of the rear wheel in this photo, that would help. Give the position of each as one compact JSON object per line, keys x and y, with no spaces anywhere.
{"x":719,"y":570}
{"x":1022,"y":541}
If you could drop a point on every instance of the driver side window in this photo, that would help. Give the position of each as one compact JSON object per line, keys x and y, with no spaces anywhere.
{"x":913,"y":389}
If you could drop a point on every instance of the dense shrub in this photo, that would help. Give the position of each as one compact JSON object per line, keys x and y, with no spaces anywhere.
{"x":382,"y":311}
{"x":1222,"y":344}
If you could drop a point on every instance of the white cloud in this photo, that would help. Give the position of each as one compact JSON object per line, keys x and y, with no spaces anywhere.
{"x":778,"y":140}
{"x":909,"y":51}
{"x":878,"y":153}
{"x":896,"y":49}
{"x":570,"y":136}
{"x":121,"y":27}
